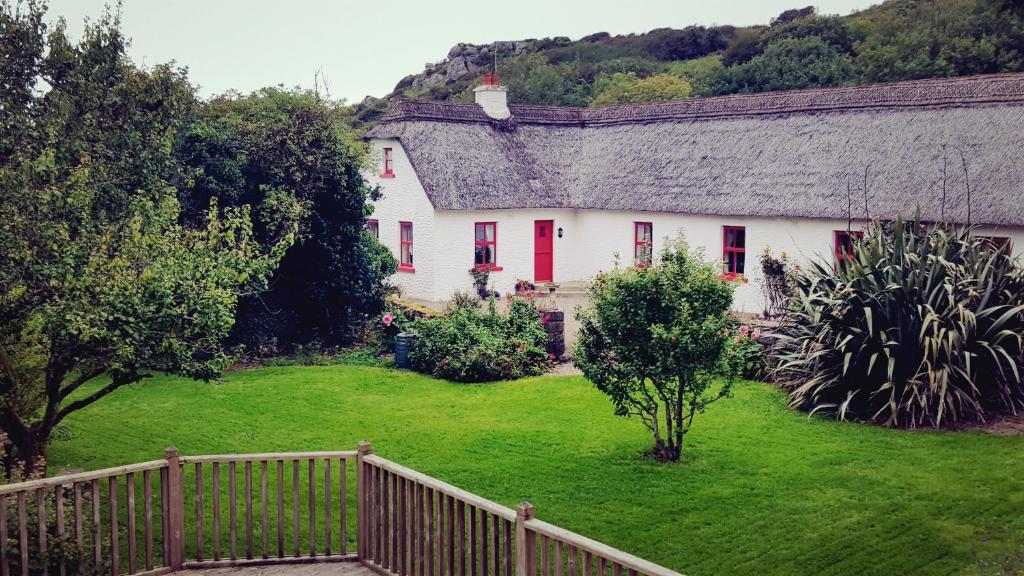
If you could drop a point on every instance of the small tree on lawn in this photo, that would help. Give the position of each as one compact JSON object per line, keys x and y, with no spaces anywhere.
{"x":656,"y":339}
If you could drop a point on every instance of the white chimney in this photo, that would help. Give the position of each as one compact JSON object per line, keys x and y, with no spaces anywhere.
{"x":493,"y":98}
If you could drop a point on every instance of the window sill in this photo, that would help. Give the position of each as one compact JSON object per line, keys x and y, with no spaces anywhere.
{"x":386,"y":175}
{"x":734,"y":277}
{"x":406,"y":268}
{"x":489,"y":268}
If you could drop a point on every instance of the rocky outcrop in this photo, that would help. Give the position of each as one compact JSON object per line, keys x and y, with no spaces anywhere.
{"x":464,"y":61}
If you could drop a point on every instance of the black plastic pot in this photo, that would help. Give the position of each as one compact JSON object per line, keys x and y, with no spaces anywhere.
{"x":403,"y":345}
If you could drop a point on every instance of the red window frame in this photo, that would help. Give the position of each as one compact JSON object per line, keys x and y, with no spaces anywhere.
{"x":492,"y":244}
{"x":738,"y":265}
{"x":405,"y":257}
{"x":840,"y":243}
{"x":388,"y":164}
{"x":643,"y":243}
{"x":374,"y":227}
{"x":1003,"y":243}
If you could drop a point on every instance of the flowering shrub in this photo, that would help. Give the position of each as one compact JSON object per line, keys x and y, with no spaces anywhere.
{"x":470,"y":345}
{"x":398,"y":317}
{"x":748,"y":354}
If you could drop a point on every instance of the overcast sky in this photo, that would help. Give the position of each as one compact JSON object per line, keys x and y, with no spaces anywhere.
{"x":367,"y":46}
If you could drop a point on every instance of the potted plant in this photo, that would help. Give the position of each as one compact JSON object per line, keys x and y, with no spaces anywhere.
{"x":481,"y":276}
{"x":524,"y":287}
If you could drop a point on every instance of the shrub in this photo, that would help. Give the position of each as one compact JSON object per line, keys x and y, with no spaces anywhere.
{"x":628,"y":88}
{"x":921,"y":327}
{"x":63,"y":553}
{"x":748,"y":354}
{"x":290,"y":155}
{"x":481,"y":277}
{"x":398,"y":317}
{"x":316,"y":355}
{"x":776,"y":282}
{"x":470,"y":345}
{"x":463,"y":300}
{"x":654,"y":339}
{"x":787,"y":64}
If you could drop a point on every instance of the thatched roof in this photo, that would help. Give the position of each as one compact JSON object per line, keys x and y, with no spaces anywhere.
{"x":792,"y":153}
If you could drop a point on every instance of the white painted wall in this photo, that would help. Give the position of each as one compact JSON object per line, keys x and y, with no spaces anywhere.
{"x":591,"y":239}
{"x":405,"y":200}
{"x":514,"y":250}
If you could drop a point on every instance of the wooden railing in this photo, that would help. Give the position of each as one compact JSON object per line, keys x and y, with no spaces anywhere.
{"x":86,"y":511}
{"x":294,"y":508}
{"x":235,"y":510}
{"x":416,"y":525}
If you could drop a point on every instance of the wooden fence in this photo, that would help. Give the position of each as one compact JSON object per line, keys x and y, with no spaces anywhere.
{"x":184,"y":512}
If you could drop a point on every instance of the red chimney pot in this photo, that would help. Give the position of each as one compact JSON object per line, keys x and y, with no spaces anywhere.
{"x":490,"y":79}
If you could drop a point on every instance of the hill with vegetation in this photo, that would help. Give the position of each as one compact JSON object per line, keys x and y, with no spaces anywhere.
{"x":892,"y":41}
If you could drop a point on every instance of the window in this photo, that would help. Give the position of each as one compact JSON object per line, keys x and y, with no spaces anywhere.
{"x":843,"y":243}
{"x":374,"y":227}
{"x":405,"y":247}
{"x":485,"y":245}
{"x":734,"y":252}
{"x":1001,"y":243}
{"x":388,"y":164}
{"x":643,"y":243}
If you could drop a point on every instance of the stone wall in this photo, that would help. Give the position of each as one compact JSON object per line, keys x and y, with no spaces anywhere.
{"x":554,"y":325}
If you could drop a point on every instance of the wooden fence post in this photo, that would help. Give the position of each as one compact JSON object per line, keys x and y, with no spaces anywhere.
{"x":524,"y":541}
{"x":175,"y":510}
{"x":362,"y":510}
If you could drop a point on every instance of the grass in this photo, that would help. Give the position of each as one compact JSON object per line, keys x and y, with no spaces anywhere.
{"x":760,"y":491}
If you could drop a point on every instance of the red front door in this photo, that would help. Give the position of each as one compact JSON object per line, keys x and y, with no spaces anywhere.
{"x":543,"y":252}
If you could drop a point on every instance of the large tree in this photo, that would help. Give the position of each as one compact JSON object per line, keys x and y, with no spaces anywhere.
{"x":100,"y":283}
{"x":291,"y":153}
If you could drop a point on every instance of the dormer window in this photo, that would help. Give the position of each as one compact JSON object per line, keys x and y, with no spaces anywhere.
{"x":388,"y":164}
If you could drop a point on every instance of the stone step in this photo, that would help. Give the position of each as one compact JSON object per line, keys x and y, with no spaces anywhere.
{"x":557,"y":293}
{"x":573,"y":288}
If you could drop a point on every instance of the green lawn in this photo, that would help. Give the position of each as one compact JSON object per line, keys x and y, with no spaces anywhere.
{"x":760,"y":491}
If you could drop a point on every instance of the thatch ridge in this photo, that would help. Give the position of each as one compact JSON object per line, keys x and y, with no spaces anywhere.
{"x":783,"y":154}
{"x":932,"y":92}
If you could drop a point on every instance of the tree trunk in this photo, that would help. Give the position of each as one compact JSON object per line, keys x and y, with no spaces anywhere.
{"x":668,"y":452}
{"x":680,"y":430}
{"x":29,"y":449}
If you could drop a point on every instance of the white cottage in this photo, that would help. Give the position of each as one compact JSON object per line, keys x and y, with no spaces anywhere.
{"x":556,"y":194}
